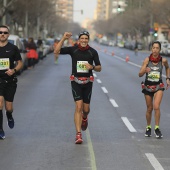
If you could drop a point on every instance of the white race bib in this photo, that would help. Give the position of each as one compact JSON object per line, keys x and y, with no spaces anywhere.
{"x":154,"y":76}
{"x":4,"y":63}
{"x":81,"y":68}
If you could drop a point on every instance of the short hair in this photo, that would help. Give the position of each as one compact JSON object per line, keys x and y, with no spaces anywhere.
{"x":157,"y":42}
{"x":5,"y":26}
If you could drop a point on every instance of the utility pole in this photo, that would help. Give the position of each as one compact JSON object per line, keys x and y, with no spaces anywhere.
{"x":26,"y":23}
{"x":38,"y":25}
{"x":4,"y":17}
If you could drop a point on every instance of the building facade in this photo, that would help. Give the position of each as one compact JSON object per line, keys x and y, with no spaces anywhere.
{"x":109,"y":8}
{"x":64,"y":9}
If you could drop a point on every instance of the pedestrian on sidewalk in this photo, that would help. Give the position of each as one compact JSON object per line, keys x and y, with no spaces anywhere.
{"x":9,"y":54}
{"x":83,"y":57}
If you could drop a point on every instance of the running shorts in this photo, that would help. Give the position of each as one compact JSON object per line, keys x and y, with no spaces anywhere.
{"x":8,"y":89}
{"x":145,"y":92}
{"x":82,"y":91}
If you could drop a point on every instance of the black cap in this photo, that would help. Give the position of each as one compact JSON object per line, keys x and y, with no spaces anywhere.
{"x":84,"y":33}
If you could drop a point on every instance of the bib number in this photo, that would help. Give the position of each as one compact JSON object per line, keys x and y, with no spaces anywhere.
{"x":81,"y":68}
{"x":4,"y":63}
{"x":154,"y":76}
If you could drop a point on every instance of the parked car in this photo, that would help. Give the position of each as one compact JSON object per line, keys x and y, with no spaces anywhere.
{"x":50,"y":42}
{"x":167,"y":50}
{"x":164,"y":44}
{"x":46,"y":49}
{"x":14,"y":39}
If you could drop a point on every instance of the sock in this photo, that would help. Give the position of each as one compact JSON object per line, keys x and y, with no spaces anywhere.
{"x":156,"y":126}
{"x":9,"y":114}
{"x":1,"y":119}
{"x":149,"y":126}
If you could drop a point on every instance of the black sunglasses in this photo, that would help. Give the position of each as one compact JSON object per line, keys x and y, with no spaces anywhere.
{"x":1,"y":32}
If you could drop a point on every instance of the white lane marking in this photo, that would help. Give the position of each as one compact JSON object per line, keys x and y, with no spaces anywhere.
{"x":104,"y":90}
{"x":94,"y":75}
{"x":91,"y":151}
{"x":154,"y":162}
{"x":128,"y":124}
{"x":112,"y":101}
{"x":98,"y":80}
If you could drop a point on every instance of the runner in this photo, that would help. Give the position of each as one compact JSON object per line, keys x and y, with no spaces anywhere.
{"x":153,"y":86}
{"x":54,"y":46}
{"x":81,"y":78}
{"x":9,"y":54}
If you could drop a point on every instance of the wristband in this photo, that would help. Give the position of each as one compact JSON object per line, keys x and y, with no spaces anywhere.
{"x":167,"y":78}
{"x":15,"y":70}
{"x":93,"y":67}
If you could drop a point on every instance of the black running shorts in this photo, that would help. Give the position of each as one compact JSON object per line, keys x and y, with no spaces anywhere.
{"x":7,"y":90}
{"x":82,"y":91}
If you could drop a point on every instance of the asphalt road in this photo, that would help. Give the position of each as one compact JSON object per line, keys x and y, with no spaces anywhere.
{"x":44,"y":133}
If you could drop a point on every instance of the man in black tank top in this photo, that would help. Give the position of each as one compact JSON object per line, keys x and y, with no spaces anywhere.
{"x":153,"y":86}
{"x":83,"y":56}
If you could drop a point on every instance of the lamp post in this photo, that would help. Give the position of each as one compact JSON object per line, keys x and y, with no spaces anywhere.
{"x":4,"y":17}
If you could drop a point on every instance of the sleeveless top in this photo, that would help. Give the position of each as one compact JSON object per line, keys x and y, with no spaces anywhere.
{"x":154,"y":77}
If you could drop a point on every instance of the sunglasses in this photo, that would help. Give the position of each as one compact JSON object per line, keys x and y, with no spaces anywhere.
{"x":1,"y":32}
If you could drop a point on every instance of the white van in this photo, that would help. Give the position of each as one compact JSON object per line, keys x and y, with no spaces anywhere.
{"x":14,"y":39}
{"x":164,"y":44}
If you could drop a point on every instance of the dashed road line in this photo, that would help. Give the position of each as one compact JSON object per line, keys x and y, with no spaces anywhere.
{"x":94,"y":75}
{"x":104,"y":90}
{"x":128,"y":124}
{"x":154,"y":162}
{"x":98,"y":80}
{"x":112,"y":101}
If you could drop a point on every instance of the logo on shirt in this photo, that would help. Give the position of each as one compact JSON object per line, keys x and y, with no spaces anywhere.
{"x":155,"y":68}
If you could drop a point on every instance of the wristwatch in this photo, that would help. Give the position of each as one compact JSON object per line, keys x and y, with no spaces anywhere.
{"x":167,"y":78}
{"x":15,"y":70}
{"x":93,"y":67}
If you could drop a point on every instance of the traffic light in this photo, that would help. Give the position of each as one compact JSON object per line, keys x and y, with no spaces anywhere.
{"x":155,"y":31}
{"x":119,"y":8}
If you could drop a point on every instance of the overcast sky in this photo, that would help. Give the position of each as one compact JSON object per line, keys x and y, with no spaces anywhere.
{"x":88,"y":7}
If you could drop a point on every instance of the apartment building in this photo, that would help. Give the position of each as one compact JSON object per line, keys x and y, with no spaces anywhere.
{"x":109,"y":8}
{"x":64,"y":9}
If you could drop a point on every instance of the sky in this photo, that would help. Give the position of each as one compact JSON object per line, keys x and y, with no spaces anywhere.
{"x":88,"y":7}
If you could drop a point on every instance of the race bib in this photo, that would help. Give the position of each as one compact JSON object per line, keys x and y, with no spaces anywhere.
{"x":154,"y":76}
{"x":4,"y":63}
{"x":81,"y":68}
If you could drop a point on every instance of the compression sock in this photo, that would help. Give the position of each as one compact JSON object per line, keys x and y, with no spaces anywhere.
{"x":1,"y":119}
{"x":9,"y":114}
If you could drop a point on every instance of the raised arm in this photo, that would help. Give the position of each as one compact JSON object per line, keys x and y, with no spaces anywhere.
{"x":66,"y":35}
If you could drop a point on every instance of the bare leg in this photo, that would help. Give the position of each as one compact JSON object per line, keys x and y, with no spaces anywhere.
{"x":157,"y":101}
{"x":78,"y":115}
{"x":149,"y":105}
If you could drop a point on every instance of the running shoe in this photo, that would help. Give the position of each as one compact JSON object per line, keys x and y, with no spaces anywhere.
{"x":78,"y":139}
{"x":2,"y":134}
{"x":148,"y":132}
{"x":84,"y":124}
{"x":158,"y":133}
{"x":10,"y":121}
{"x":56,"y":61}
